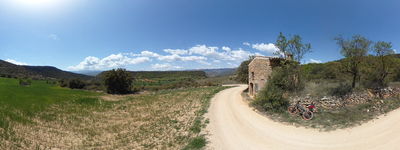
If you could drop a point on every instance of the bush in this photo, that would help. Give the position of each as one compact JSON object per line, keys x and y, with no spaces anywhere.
{"x":25,"y":82}
{"x":341,"y":90}
{"x":63,"y":82}
{"x":118,"y":81}
{"x":242,"y":73}
{"x":271,"y":97}
{"x":76,"y":84}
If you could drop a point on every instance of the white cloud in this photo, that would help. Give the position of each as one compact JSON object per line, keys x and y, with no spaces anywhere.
{"x":198,"y":56}
{"x":246,"y":43}
{"x":314,"y":61}
{"x":53,"y":36}
{"x":270,"y":47}
{"x":15,"y":62}
{"x":149,"y":54}
{"x":216,"y":61}
{"x":395,"y":51}
{"x":169,"y":58}
{"x":215,"y":53}
{"x":176,"y":51}
{"x":226,"y":48}
{"x":112,"y":61}
{"x":203,"y":50}
{"x":175,"y":57}
{"x":165,"y":66}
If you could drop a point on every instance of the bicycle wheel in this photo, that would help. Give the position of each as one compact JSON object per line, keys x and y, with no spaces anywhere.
{"x":292,"y":110}
{"x":308,"y":115}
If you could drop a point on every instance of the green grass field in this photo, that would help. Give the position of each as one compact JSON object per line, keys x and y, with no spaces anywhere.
{"x":20,"y":103}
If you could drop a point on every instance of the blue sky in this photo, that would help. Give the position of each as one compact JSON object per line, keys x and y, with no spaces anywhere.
{"x":181,"y":34}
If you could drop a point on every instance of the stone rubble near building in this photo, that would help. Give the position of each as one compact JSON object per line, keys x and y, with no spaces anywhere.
{"x":335,"y":102}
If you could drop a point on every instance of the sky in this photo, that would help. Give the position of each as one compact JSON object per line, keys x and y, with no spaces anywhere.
{"x":79,"y":35}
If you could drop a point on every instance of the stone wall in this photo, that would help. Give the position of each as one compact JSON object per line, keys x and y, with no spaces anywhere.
{"x":335,"y":102}
{"x":259,"y":71}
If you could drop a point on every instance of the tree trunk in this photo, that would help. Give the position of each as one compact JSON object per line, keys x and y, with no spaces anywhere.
{"x":353,"y":84}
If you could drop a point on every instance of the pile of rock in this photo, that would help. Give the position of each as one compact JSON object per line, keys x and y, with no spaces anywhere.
{"x":334,"y":102}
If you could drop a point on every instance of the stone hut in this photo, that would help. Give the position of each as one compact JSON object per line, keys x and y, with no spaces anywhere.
{"x":260,"y":68}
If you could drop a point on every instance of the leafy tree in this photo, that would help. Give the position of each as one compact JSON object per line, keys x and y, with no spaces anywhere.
{"x":382,"y":50}
{"x":354,"y":50}
{"x":118,"y":81}
{"x":242,"y":73}
{"x":297,"y":48}
{"x":282,"y":44}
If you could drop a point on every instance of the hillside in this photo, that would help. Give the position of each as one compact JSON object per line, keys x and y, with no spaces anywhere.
{"x":38,"y":72}
{"x":333,"y":70}
{"x":53,"y":72}
{"x":9,"y":69}
{"x":219,"y":72}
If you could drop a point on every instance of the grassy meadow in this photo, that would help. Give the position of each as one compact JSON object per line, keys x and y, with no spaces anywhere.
{"x":18,"y":103}
{"x":45,"y":116}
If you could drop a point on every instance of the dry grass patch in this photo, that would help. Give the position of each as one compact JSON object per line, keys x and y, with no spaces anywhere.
{"x":159,"y":120}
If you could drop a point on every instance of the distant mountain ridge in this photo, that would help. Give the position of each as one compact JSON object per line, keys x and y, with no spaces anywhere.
{"x":209,"y":72}
{"x":39,"y":72}
{"x":219,"y":72}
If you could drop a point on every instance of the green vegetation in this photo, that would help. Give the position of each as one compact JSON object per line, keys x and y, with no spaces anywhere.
{"x":45,"y":116}
{"x":118,"y":81}
{"x":76,"y":84}
{"x":354,"y":50}
{"x":25,"y":82}
{"x":242,"y":73}
{"x":356,"y":73}
{"x":21,"y":103}
{"x":334,"y":71}
{"x":159,"y":80}
{"x":286,"y":78}
{"x":10,"y":70}
{"x":272,"y":97}
{"x":196,"y":143}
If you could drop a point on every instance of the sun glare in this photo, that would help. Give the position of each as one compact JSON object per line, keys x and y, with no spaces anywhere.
{"x":37,"y":3}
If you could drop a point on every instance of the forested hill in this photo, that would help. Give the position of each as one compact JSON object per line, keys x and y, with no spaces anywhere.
{"x":334,"y":69}
{"x":37,"y":72}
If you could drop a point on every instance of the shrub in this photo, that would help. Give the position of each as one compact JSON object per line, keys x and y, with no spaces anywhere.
{"x":118,"y":81}
{"x":242,"y":73}
{"x":25,"y":82}
{"x":271,"y":97}
{"x":63,"y":82}
{"x":76,"y":84}
{"x":341,"y":90}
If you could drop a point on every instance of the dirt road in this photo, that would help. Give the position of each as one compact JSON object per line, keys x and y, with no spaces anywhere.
{"x":235,"y":126}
